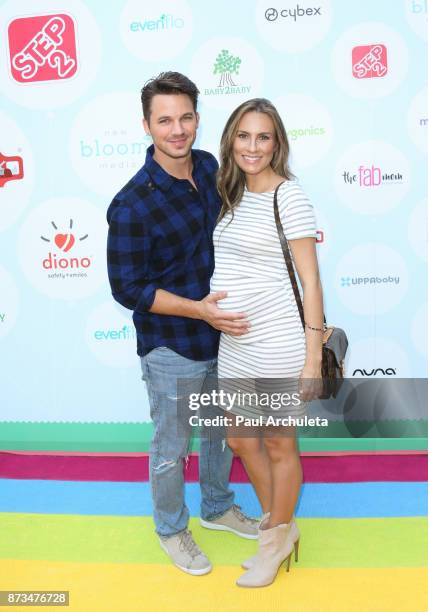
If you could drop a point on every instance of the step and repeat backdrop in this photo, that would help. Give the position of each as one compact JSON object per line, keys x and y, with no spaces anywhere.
{"x":350,"y":81}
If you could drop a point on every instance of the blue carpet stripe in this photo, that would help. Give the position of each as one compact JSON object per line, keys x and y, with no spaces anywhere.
{"x":346,"y":500}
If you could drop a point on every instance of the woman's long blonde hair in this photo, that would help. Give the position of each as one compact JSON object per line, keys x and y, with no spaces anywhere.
{"x":230,"y":178}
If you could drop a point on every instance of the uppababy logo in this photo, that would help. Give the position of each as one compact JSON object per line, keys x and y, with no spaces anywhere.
{"x":165,"y":22}
{"x":227,"y":67}
{"x":369,"y":61}
{"x":42,"y":48}
{"x":375,"y":372}
{"x":272,"y":14}
{"x":349,"y":281}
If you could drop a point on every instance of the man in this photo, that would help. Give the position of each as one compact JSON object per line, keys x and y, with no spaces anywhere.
{"x":160,"y":260}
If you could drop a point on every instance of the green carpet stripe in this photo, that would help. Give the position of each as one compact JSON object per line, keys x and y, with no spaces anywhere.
{"x":135,"y":437}
{"x":345,"y":543}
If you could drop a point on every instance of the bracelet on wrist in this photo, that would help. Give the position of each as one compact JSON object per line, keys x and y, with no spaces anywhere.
{"x":321,"y":329}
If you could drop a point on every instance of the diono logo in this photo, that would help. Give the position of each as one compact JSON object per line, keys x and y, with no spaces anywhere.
{"x":42,"y":48}
{"x":369,"y":61}
{"x":11,"y":169}
{"x":64,"y":242}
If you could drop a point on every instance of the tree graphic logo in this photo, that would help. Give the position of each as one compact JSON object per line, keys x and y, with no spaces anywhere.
{"x":225,"y":65}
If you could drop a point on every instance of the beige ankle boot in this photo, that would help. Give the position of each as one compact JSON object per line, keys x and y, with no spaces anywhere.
{"x":295,"y":534}
{"x":275,"y":546}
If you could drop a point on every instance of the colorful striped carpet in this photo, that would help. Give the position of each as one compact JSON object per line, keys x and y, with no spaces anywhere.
{"x":83,"y":524}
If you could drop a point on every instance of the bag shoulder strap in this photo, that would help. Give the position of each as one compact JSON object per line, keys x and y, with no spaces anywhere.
{"x":287,"y":255}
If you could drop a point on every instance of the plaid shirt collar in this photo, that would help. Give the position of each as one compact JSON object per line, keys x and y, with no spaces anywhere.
{"x":159,"y":176}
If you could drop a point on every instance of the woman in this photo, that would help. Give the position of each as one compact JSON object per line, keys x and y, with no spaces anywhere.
{"x":249,"y":265}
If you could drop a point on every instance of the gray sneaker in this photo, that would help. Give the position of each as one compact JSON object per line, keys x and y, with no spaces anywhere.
{"x":235,"y":521}
{"x":185,"y":553}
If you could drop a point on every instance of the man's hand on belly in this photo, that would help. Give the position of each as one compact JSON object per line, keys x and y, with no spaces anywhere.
{"x":233,"y":323}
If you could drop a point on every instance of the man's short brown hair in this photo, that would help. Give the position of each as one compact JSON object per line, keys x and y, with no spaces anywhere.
{"x":167,"y":83}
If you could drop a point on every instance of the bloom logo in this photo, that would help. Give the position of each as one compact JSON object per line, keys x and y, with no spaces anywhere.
{"x":370,"y":176}
{"x":11,"y":169}
{"x":369,"y":61}
{"x":64,"y":242}
{"x":42,"y":48}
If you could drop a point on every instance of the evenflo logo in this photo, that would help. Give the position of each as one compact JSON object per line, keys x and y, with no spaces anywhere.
{"x":42,"y":48}
{"x":164,"y":22}
{"x":369,"y":61}
{"x":127,"y":332}
{"x":65,"y":265}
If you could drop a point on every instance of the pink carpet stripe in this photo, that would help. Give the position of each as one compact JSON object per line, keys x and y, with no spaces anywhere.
{"x":58,"y":453}
{"x":348,"y":468}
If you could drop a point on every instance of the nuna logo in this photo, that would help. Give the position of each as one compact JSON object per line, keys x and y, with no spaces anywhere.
{"x":375,"y":372}
{"x":125,"y":333}
{"x":64,"y":242}
{"x":163,"y":23}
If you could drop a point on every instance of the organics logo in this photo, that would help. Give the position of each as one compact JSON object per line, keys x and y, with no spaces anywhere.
{"x":165,"y":22}
{"x":11,"y":169}
{"x":227,"y":65}
{"x":371,"y":176}
{"x":375,"y":372}
{"x":272,"y":14}
{"x":296,"y":133}
{"x":348,"y":281}
{"x":369,"y":61}
{"x":65,"y":242}
{"x":42,"y":48}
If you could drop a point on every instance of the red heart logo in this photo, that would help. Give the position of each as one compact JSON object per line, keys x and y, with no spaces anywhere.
{"x":64,"y":241}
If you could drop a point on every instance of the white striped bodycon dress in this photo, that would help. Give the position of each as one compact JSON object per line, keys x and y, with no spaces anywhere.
{"x":249,"y":265}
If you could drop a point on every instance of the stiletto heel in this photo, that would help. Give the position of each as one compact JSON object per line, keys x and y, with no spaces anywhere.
{"x":296,"y":550}
{"x":288,"y":559}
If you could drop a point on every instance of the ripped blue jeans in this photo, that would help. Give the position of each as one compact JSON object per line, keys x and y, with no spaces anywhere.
{"x":162,"y":368}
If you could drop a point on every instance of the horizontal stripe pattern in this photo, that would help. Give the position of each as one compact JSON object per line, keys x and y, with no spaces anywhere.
{"x":322,"y":468}
{"x":375,"y":542}
{"x":106,"y":587}
{"x":368,"y":499}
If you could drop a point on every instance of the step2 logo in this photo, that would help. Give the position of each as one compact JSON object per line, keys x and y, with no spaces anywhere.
{"x":369,"y":61}
{"x":42,"y":48}
{"x":64,"y":243}
{"x":11,"y":169}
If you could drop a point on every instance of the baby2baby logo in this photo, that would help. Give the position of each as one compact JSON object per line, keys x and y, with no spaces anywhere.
{"x":42,"y":48}
{"x":226,"y":67}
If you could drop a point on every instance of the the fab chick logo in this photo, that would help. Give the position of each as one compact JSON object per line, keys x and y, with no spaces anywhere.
{"x":369,"y":61}
{"x":58,"y":259}
{"x":42,"y":48}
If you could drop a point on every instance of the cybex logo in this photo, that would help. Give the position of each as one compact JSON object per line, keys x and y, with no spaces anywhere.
{"x":42,"y":48}
{"x":272,"y":14}
{"x":2,"y":317}
{"x":369,"y":61}
{"x":375,"y":372}
{"x":64,"y":242}
{"x":11,"y":169}
{"x":165,"y":22}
